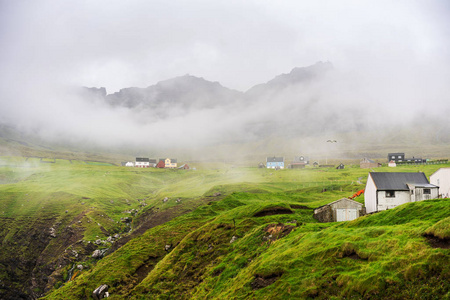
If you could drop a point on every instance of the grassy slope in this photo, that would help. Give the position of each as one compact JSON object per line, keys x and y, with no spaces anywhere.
{"x":314,"y":260}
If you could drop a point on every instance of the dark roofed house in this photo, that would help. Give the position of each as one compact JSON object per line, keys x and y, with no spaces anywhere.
{"x":385,"y":190}
{"x":340,"y":167}
{"x":142,"y":162}
{"x":275,"y":162}
{"x":152,"y":163}
{"x":397,"y":157}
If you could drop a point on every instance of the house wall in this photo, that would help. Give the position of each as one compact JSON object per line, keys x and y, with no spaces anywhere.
{"x":418,"y":194}
{"x":323,"y":214}
{"x":401,"y":197}
{"x":170,"y":164}
{"x":368,"y":165}
{"x":345,"y":204}
{"x":370,"y":195}
{"x":142,"y":164}
{"x":441,"y":178}
{"x":273,"y":165}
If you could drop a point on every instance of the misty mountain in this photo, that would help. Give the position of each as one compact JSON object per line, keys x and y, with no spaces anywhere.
{"x":297,"y":76}
{"x":172,"y":97}
{"x":288,"y":101}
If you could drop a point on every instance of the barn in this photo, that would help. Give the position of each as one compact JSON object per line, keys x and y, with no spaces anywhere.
{"x":385,"y":190}
{"x":340,"y":210}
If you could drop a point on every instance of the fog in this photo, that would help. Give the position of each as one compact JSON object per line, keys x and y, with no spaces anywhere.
{"x":390,"y":69}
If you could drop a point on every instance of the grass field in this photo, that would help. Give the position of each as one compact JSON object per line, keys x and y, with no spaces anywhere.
{"x":280,"y":256}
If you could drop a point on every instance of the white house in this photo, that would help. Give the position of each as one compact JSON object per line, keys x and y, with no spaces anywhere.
{"x":142,"y":162}
{"x":385,"y":190}
{"x":441,"y":178}
{"x":129,"y":164}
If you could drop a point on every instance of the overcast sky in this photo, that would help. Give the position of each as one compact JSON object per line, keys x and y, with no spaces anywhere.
{"x":119,"y":44}
{"x":395,"y":54}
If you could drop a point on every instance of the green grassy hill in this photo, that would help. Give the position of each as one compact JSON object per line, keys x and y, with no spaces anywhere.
{"x":216,"y":232}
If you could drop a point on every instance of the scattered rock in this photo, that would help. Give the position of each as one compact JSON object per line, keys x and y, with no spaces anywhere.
{"x":100,"y":292}
{"x":178,"y":200}
{"x":167,"y":247}
{"x":80,"y":267}
{"x":97,"y":254}
{"x":233,"y":239}
{"x":217,"y":194}
{"x":98,"y":242}
{"x":165,"y":199}
{"x":52,"y":232}
{"x":110,"y":239}
{"x":67,"y":211}
{"x":116,"y":236}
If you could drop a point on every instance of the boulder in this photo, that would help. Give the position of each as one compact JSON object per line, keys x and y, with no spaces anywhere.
{"x":233,"y":239}
{"x":97,"y":254}
{"x":52,"y":232}
{"x":100,"y":292}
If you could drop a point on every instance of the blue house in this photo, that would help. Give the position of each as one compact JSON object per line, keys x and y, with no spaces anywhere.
{"x":275,"y":162}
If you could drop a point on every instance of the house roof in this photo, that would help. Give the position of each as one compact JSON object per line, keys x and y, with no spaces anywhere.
{"x":396,"y":153}
{"x":367,"y":160}
{"x":275,"y":159}
{"x":152,"y":161}
{"x":342,"y":199}
{"x":142,"y":159}
{"x":398,"y":180}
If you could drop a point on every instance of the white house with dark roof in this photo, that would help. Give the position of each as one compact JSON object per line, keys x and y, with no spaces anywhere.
{"x":385,"y":190}
{"x":142,"y":162}
{"x":441,"y":178}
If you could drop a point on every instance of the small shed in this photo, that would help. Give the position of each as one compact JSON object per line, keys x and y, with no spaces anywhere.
{"x":392,"y":164}
{"x":340,"y":167}
{"x":340,"y":210}
{"x":261,"y":165}
{"x":184,"y":167}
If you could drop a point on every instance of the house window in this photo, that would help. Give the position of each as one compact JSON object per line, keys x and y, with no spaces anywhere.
{"x":390,"y":194}
{"x":427,"y":191}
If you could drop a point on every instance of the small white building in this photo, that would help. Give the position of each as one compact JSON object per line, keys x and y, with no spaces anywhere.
{"x":340,"y":210}
{"x":129,"y":164}
{"x":386,"y":190}
{"x":441,"y":178}
{"x":392,"y":164}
